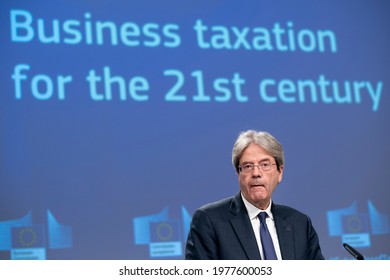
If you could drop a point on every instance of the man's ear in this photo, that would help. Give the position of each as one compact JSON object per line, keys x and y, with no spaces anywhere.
{"x":281,"y":168}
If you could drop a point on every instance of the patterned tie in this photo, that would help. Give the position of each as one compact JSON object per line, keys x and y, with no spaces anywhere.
{"x":266,"y":240}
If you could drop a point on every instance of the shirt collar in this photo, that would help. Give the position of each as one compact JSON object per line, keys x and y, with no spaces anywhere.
{"x":253,"y":211}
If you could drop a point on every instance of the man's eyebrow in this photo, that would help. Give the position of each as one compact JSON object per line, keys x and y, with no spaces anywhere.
{"x":251,"y":162}
{"x":264,"y":160}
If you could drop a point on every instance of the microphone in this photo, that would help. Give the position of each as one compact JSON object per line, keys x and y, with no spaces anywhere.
{"x":353,"y":252}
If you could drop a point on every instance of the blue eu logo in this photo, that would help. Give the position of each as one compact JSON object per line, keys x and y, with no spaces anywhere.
{"x":28,"y":237}
{"x":165,"y":231}
{"x":164,"y":235}
{"x":27,"y":240}
{"x":356,"y":228}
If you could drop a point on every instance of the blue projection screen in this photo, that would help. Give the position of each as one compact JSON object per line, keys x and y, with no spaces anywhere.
{"x":118,"y":119}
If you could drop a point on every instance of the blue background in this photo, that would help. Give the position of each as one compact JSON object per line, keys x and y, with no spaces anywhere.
{"x":97,"y":165}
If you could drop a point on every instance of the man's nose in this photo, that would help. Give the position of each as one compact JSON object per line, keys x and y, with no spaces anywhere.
{"x":256,"y":172}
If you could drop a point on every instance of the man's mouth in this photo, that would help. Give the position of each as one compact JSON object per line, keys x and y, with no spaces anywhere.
{"x":257,"y":185}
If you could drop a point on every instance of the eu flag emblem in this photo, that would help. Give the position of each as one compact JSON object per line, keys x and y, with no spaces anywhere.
{"x":165,"y":231}
{"x":355,"y":223}
{"x":28,"y":237}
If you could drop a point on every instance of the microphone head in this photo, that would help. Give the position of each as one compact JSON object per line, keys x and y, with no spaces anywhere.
{"x":353,"y":252}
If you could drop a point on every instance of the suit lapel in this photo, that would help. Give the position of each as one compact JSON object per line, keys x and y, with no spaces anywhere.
{"x":243,"y":228}
{"x":285,"y":231}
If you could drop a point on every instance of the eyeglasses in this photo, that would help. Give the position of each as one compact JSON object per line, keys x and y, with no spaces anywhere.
{"x":248,"y":167}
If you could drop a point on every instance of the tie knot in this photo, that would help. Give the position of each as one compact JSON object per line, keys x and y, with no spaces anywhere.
{"x":263,"y":216}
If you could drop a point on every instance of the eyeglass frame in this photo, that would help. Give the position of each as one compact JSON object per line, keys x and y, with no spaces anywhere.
{"x":260,"y":166}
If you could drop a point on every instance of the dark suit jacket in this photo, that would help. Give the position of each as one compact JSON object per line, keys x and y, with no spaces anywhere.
{"x":222,"y":231}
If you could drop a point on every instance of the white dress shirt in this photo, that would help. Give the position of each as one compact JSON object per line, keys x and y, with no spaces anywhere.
{"x":253,"y":213}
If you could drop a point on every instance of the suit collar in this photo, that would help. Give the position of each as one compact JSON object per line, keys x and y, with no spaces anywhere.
{"x":253,"y":211}
{"x":243,"y":227}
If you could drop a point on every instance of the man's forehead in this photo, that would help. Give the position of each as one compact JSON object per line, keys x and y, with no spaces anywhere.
{"x":255,"y":152}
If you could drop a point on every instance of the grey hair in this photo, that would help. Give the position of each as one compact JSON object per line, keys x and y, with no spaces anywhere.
{"x":261,"y":138}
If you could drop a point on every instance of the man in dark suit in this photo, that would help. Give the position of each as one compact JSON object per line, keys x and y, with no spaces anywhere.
{"x":230,"y":229}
